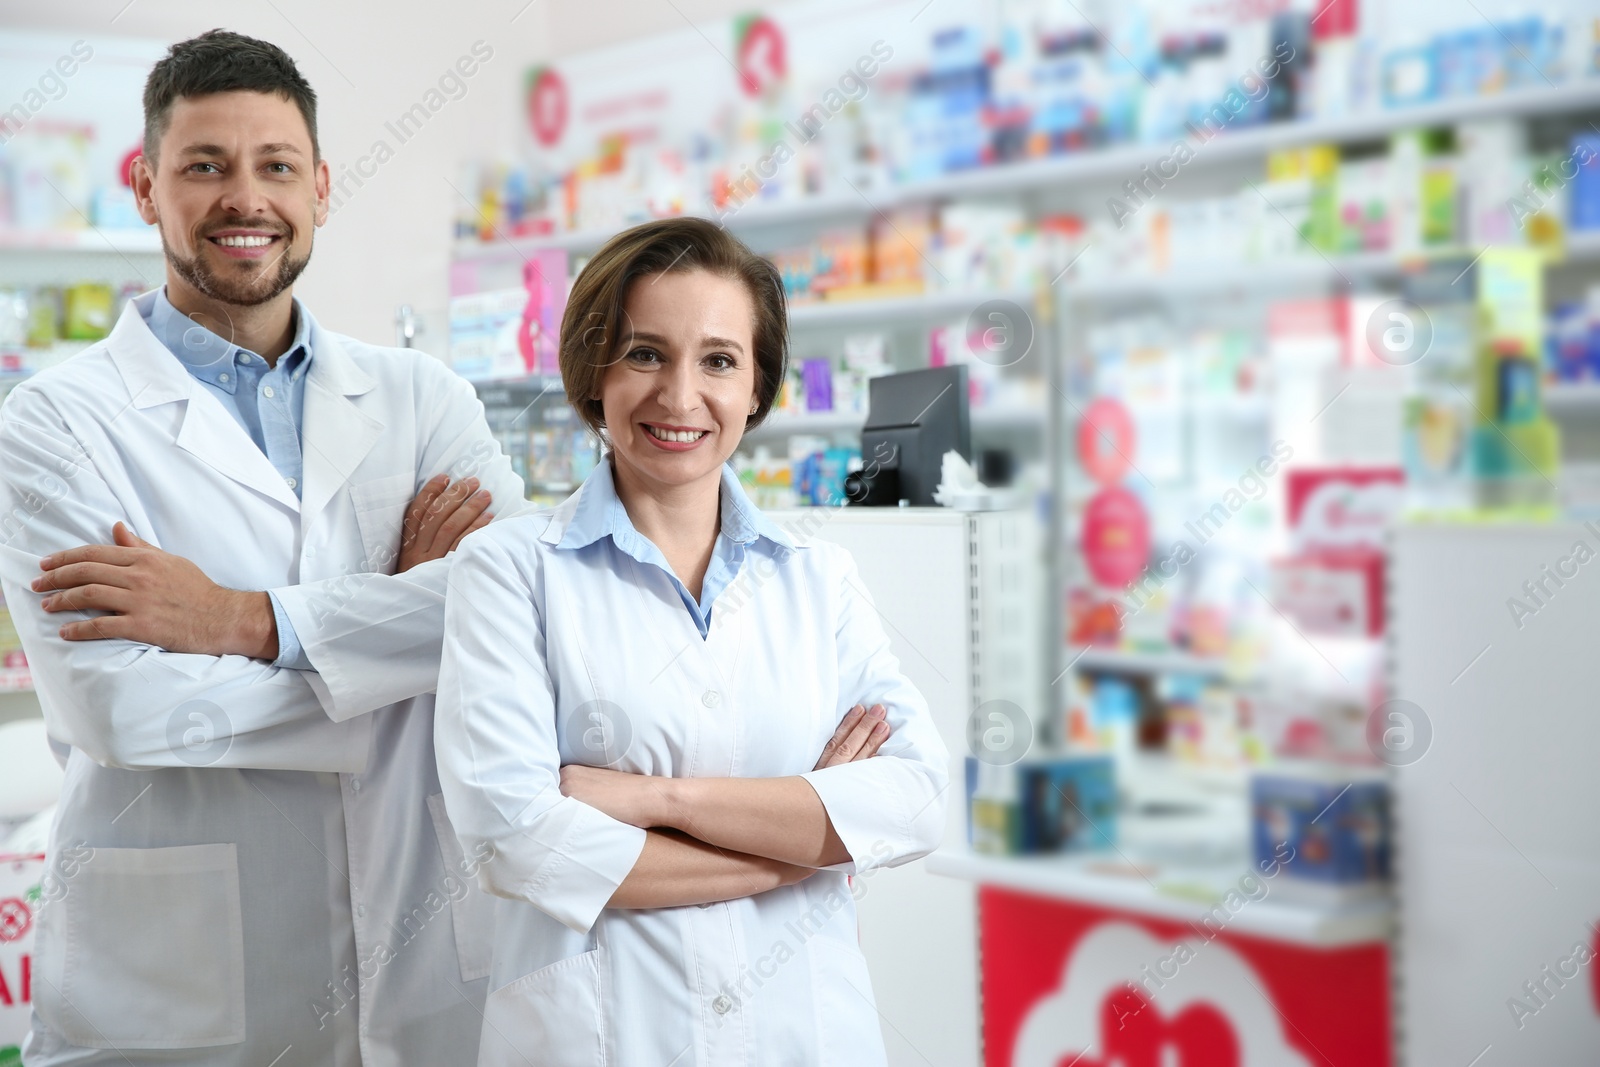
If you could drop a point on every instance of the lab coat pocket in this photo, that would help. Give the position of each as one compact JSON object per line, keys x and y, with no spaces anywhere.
{"x":380,"y":505}
{"x":471,"y":909}
{"x":847,"y":1023}
{"x":551,"y":1017}
{"x":146,"y":950}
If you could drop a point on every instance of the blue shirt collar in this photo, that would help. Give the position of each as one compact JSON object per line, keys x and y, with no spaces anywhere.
{"x":599,"y":513}
{"x":215,"y":360}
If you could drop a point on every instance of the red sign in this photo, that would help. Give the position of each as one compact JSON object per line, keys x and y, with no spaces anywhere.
{"x":1065,"y":983}
{"x":1106,"y":441}
{"x":547,"y":105}
{"x":762,"y":56}
{"x":1116,"y":537}
{"x":1344,"y":508}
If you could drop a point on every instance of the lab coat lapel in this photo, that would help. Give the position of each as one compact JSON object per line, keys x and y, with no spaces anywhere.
{"x":154,"y":376}
{"x":336,"y":434}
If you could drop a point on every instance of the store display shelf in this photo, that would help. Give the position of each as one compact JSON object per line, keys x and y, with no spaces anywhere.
{"x":820,"y":422}
{"x":1306,"y":268}
{"x":1181,"y":894}
{"x":999,"y":417}
{"x":1008,"y":416}
{"x":920,"y":306}
{"x":134,"y":242}
{"x":16,"y":680}
{"x":1573,"y":399}
{"x":1127,"y":662}
{"x":1112,"y":164}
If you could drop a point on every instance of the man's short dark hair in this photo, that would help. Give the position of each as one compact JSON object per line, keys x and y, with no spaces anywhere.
{"x":220,"y":61}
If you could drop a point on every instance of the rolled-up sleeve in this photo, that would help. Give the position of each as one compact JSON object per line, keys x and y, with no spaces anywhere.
{"x":495,"y":735}
{"x":890,"y":809}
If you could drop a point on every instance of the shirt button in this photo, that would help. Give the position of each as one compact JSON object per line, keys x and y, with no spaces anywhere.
{"x":722,"y":1005}
{"x":290,"y":482}
{"x":222,"y":377}
{"x":267,"y":390}
{"x":711,"y":698}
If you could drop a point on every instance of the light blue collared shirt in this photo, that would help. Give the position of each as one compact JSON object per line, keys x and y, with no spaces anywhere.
{"x":599,"y":513}
{"x":266,"y":402}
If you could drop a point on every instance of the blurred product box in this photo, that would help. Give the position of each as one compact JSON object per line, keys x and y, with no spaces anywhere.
{"x":11,"y":655}
{"x":1336,"y":821}
{"x":513,"y":332}
{"x":88,"y":311}
{"x":1064,"y":804}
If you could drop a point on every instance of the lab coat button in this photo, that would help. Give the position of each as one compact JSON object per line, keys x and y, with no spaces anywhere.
{"x":722,"y":1005}
{"x":311,"y":553}
{"x":355,"y":785}
{"x":361,"y":911}
{"x":711,"y":698}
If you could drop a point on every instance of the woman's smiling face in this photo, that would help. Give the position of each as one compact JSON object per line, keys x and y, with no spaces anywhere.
{"x":683,"y":378}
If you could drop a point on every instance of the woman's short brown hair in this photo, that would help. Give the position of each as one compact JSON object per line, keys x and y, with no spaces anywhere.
{"x":593,"y":326}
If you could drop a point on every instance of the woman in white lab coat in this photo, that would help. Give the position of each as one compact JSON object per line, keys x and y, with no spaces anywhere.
{"x":634,"y":691}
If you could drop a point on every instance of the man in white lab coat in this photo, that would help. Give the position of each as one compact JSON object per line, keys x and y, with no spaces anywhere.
{"x":237,"y":670}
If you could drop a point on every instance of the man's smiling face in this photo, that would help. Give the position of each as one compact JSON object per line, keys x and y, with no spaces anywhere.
{"x":237,"y":194}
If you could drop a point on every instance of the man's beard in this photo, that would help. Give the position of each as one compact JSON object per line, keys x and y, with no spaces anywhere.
{"x":253,"y":284}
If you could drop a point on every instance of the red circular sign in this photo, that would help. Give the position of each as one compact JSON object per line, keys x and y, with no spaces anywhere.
{"x":1116,"y":537}
{"x":762,"y":58}
{"x":547,"y":106}
{"x":16,"y":919}
{"x":1106,"y":441}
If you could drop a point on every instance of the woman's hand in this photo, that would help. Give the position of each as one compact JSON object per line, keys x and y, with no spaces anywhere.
{"x":636,"y":799}
{"x":859,"y":736}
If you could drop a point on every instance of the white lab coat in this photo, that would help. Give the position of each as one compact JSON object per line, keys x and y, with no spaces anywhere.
{"x":269,"y":863}
{"x":550,"y":652}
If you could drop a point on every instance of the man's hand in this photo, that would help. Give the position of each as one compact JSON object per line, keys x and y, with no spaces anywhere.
{"x":439,"y":518}
{"x":860,"y":734}
{"x":154,"y":598}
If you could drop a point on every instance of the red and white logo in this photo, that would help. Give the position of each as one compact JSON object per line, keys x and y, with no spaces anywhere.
{"x":547,"y":106}
{"x":16,"y":919}
{"x":1112,"y":1008}
{"x":762,"y":57}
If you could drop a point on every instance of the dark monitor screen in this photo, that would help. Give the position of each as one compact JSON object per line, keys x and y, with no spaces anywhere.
{"x":913,"y":419}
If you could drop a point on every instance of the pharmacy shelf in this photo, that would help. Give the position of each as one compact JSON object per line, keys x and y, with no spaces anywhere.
{"x":830,"y":422}
{"x":923,"y":306}
{"x":1106,"y":659}
{"x":1305,"y":268}
{"x":810,"y":422}
{"x":1114,"y":164}
{"x":1573,"y":399}
{"x":126,"y":242}
{"x":1180,"y":894}
{"x":16,"y":680}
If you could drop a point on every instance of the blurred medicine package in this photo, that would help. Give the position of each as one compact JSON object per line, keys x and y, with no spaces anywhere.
{"x":1060,"y":804}
{"x":1334,"y":818}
